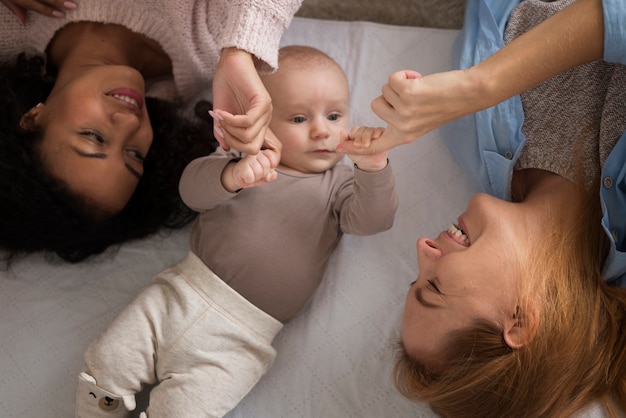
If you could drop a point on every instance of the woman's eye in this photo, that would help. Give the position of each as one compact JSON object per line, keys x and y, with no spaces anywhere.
{"x":298,"y":119}
{"x":137,"y":155}
{"x":433,"y":286}
{"x":93,"y":135}
{"x":334,"y":116}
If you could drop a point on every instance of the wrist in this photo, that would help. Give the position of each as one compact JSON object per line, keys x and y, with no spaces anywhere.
{"x":227,"y":178}
{"x":479,"y":89}
{"x":371,"y":166}
{"x":235,"y":54}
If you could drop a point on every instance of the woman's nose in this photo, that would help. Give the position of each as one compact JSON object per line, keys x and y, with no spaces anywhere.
{"x":125,"y":119}
{"x":427,"y":256}
{"x":428,"y":247}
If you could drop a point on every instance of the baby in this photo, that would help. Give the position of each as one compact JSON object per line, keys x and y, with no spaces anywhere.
{"x":202,"y":331}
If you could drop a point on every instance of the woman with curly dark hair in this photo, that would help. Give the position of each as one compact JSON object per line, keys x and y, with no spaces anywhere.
{"x":87,"y":157}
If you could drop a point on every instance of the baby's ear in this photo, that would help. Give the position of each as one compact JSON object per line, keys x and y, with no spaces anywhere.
{"x":29,"y":120}
{"x":521,"y":327}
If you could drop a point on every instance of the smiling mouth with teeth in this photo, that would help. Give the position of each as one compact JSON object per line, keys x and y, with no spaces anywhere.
{"x":458,"y":233}
{"x":126,"y":99}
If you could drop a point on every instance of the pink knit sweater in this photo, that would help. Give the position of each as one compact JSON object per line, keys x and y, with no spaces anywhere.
{"x":191,"y":32}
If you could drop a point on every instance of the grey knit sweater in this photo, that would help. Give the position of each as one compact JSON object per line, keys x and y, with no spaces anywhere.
{"x":581,"y":112}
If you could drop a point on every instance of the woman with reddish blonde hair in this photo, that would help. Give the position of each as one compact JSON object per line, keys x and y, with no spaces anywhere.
{"x":519,"y":308}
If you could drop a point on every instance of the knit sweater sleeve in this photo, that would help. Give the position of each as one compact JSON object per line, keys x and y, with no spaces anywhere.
{"x":256,"y":26}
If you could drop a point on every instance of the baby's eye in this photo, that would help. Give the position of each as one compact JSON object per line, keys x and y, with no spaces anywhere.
{"x":298,"y":119}
{"x":334,"y":116}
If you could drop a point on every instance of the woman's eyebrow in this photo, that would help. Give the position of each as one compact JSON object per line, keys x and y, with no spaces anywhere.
{"x":102,"y":156}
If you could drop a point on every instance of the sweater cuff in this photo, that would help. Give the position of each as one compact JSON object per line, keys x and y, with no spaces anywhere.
{"x":376,"y":178}
{"x":256,"y":26}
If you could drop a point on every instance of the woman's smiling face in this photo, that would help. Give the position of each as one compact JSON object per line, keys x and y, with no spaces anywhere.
{"x":470,"y":271}
{"x":96,"y":134}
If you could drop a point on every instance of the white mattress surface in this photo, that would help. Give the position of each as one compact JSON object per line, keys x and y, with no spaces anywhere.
{"x":334,"y":360}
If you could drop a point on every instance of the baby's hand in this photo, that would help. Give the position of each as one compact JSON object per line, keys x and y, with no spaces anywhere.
{"x":250,"y":171}
{"x":361,"y":137}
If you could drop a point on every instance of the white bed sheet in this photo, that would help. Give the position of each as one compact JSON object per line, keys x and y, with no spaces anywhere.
{"x":335,"y":359}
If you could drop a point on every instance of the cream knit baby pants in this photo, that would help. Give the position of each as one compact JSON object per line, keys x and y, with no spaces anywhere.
{"x":202,"y":343}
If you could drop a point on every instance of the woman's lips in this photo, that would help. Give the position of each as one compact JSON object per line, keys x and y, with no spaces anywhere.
{"x":130,"y":97}
{"x":464,"y":228}
{"x":455,"y":234}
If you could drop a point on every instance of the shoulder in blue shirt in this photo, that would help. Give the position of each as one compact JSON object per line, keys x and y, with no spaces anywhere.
{"x":487,"y":144}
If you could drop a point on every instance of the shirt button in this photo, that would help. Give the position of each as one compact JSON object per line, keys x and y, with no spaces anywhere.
{"x":614,"y":233}
{"x":608,"y":182}
{"x":508,"y":155}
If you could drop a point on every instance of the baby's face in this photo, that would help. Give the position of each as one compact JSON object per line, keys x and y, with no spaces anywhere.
{"x":311,"y":109}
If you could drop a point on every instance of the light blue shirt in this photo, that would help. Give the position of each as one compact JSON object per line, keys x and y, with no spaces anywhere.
{"x":488,"y":143}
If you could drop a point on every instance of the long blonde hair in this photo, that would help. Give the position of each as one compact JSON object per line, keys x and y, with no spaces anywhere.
{"x":577,"y":356}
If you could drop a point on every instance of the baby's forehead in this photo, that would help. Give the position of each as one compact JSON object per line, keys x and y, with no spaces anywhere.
{"x":296,"y":73}
{"x":299,"y":56}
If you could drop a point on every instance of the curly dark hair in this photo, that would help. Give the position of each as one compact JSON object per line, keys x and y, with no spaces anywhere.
{"x":39,"y":213}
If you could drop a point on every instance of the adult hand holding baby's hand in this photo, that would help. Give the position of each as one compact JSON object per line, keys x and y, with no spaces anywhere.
{"x":254,"y":169}
{"x":242,"y":106}
{"x":362,"y":137}
{"x":52,"y":8}
{"x":413,"y":105}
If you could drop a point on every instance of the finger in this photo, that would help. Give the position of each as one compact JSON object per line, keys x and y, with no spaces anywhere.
{"x":382,"y":108}
{"x":400,"y":83}
{"x":239,"y":133}
{"x":408,"y":74}
{"x":272,"y":148}
{"x":260,"y":169}
{"x":399,"y":78}
{"x":61,"y":4}
{"x":256,"y":172}
{"x":246,"y":128}
{"x":51,"y":8}
{"x":378,"y":132}
{"x":353,"y":133}
{"x":218,"y":133}
{"x":246,"y":177}
{"x":273,"y":175}
{"x":252,"y":148}
{"x":361,"y":136}
{"x":18,"y":11}
{"x":384,"y":143}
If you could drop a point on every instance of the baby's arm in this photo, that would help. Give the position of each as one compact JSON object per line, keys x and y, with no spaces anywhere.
{"x":370,"y":205}
{"x":211,"y":180}
{"x":362,"y":136}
